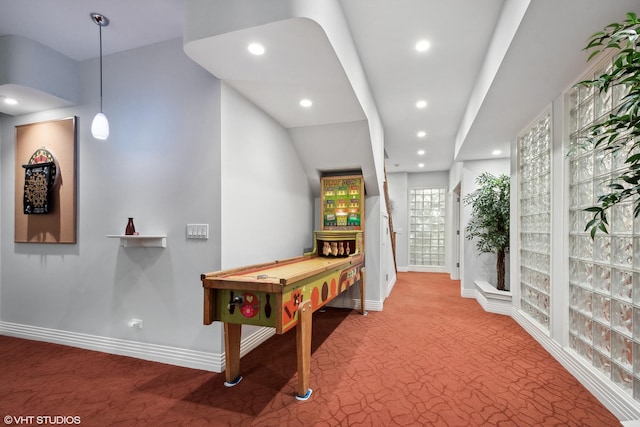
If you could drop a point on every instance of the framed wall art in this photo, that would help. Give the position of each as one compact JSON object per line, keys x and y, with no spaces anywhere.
{"x":45,"y":182}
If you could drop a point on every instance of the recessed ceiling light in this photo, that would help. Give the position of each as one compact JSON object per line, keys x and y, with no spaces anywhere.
{"x":10,"y":101}
{"x":496,"y":152}
{"x":256,"y":49}
{"x":421,"y":152}
{"x":306,"y":103}
{"x":423,"y":45}
{"x":420,"y":165}
{"x":421,"y":104}
{"x":421,"y":134}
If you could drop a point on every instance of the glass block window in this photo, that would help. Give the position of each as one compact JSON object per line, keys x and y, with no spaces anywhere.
{"x":534,"y":148}
{"x":604,"y":273}
{"x":426,"y":226}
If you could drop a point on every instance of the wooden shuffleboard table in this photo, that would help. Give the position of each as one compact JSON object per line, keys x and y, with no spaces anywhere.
{"x":282,"y":295}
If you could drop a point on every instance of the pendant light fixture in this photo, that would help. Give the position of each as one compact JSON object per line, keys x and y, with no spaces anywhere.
{"x":100,"y":124}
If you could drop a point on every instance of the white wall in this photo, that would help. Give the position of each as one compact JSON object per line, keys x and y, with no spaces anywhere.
{"x":457,"y":240}
{"x":474,"y":265}
{"x":311,"y":144}
{"x":388,"y":263}
{"x":22,"y":62}
{"x":428,"y":180}
{"x":375,"y":259}
{"x":455,"y":174}
{"x":267,"y":206}
{"x":398,"y":194}
{"x":161,"y":166}
{"x":399,"y":185}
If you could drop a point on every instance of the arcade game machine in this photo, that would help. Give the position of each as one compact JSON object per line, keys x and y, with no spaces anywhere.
{"x":283,"y":294}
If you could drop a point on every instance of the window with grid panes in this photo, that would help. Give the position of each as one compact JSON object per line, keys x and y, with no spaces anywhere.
{"x":534,"y":156}
{"x":604,"y":273}
{"x":426,"y":226}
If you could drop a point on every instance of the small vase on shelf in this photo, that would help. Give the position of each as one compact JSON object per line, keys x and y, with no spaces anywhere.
{"x":131,"y":229}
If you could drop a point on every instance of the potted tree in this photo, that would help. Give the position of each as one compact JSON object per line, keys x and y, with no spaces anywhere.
{"x":619,"y":131}
{"x":489,"y":223}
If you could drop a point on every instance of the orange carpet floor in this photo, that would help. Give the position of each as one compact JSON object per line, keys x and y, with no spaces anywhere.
{"x":431,"y":358}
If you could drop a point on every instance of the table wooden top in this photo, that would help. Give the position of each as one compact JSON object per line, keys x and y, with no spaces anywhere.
{"x":278,"y":273}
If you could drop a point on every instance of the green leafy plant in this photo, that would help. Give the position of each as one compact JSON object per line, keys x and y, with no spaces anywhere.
{"x":489,"y":223}
{"x":619,"y":132}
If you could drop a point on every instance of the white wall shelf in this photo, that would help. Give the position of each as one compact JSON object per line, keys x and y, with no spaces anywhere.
{"x":141,"y":241}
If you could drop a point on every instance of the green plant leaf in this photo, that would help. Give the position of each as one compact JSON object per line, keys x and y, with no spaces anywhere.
{"x":618,"y":133}
{"x":594,"y":53}
{"x":489,"y":223}
{"x":590,"y":224}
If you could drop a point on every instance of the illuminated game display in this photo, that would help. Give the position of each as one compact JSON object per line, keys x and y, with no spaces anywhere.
{"x":342,"y":202}
{"x":283,"y":294}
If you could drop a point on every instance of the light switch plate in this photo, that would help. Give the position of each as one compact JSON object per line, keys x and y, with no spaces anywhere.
{"x":197,"y":231}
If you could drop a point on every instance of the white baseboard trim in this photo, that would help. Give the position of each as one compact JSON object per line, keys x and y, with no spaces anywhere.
{"x":403,"y":269}
{"x":623,"y":406}
{"x":213,"y":362}
{"x":423,"y":269}
{"x":493,"y":300}
{"x":468,"y":293}
{"x":390,"y":285}
{"x":354,"y":304}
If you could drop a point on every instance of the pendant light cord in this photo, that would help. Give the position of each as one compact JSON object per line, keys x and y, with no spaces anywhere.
{"x":100,"y":27}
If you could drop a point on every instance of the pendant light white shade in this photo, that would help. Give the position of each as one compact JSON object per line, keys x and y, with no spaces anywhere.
{"x":100,"y":124}
{"x":100,"y":127}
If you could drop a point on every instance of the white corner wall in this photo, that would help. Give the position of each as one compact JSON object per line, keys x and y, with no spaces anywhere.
{"x":160,"y":166}
{"x":398,"y":195}
{"x":375,"y":259}
{"x":267,"y":205}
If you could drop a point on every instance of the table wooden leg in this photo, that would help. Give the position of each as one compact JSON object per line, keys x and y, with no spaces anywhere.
{"x":303,"y":349}
{"x":208,"y":306}
{"x":362,"y":287}
{"x":232,"y":333}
